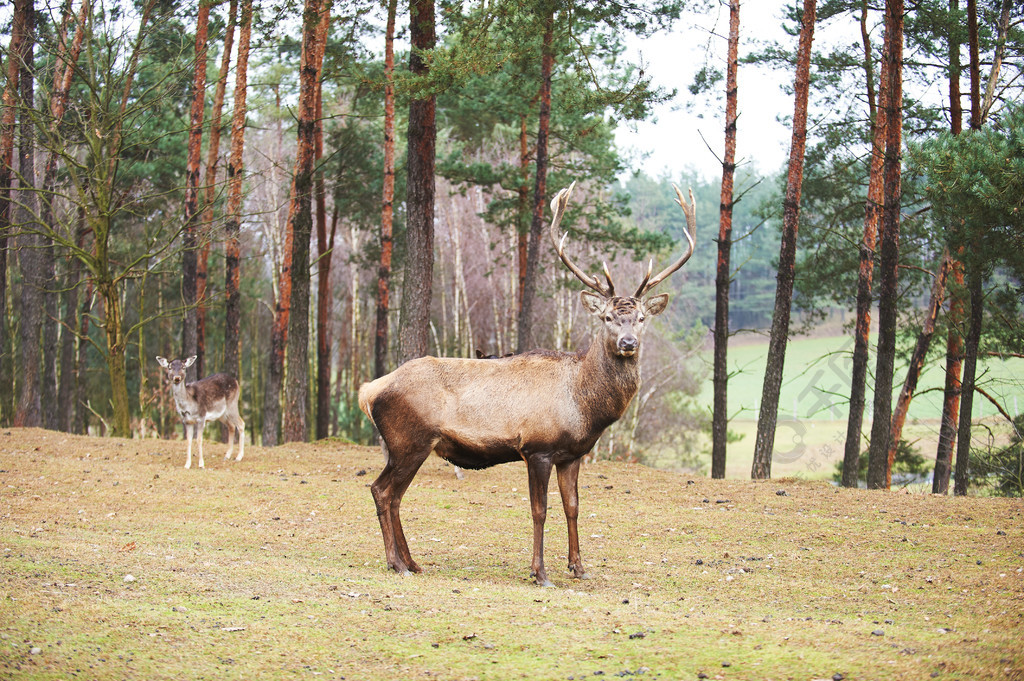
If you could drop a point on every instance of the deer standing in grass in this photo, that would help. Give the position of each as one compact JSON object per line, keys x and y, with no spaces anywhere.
{"x":214,"y":398}
{"x":546,"y":408}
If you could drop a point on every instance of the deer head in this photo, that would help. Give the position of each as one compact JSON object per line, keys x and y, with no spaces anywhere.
{"x":623,"y":316}
{"x":176,"y":368}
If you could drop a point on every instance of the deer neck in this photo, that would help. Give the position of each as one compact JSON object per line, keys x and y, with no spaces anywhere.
{"x":607,"y":382}
{"x":184,"y":396}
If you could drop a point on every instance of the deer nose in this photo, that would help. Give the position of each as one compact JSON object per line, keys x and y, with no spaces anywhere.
{"x":176,"y":379}
{"x":628,"y":344}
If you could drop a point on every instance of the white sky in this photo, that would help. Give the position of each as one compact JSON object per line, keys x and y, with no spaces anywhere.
{"x":677,"y":140}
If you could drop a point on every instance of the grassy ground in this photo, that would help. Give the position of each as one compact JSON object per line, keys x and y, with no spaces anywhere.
{"x":116,"y":563}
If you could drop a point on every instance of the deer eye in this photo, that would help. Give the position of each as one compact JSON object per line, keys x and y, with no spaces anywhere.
{"x":640,"y":318}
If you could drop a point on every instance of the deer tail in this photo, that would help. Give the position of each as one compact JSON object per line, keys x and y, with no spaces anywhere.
{"x":367,"y":394}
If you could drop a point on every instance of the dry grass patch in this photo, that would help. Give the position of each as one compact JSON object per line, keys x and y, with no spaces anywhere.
{"x":273,"y":567}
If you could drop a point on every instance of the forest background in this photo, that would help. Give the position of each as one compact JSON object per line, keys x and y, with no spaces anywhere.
{"x":229,"y":180}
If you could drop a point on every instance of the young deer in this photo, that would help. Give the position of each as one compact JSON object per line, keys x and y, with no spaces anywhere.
{"x":545,"y":408}
{"x":214,"y":398}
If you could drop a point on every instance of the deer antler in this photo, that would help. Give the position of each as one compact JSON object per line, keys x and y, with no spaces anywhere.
{"x":558,"y":205}
{"x":690,"y":211}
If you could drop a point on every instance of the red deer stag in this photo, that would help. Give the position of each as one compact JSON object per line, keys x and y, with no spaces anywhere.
{"x":214,"y":398}
{"x":546,"y":408}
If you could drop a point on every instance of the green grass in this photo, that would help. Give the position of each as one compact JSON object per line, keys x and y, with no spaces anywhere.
{"x":273,"y":568}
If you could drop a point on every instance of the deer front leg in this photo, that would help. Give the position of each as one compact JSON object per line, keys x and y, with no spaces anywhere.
{"x":188,"y":437}
{"x":199,"y":437}
{"x":568,"y":475}
{"x":538,"y":470}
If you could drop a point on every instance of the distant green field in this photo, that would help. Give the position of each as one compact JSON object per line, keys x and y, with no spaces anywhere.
{"x":816,"y":383}
{"x":811,"y":429}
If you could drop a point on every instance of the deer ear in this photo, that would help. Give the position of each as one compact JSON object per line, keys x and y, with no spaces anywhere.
{"x":592,"y":303}
{"x":657,"y":304}
{"x":161,"y":361}
{"x":190,"y":361}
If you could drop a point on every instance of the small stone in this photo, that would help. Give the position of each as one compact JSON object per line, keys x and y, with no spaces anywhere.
{"x":129,"y":578}
{"x":36,"y":651}
{"x":878,"y":632}
{"x":781,"y":493}
{"x":838,"y":677}
{"x":179,"y":608}
{"x":638,"y":634}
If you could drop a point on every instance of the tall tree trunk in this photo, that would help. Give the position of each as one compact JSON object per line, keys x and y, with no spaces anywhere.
{"x":522,"y":213}
{"x":955,"y":316}
{"x":975,"y":63}
{"x":30,"y":255}
{"x":212,"y":158}
{"x":7,"y":122}
{"x":300,"y":226}
{"x":417,"y":284}
{"x":232,"y":274}
{"x":325,"y":249}
{"x":723,"y":278}
{"x":189,"y":264}
{"x":81,"y":422}
{"x":924,"y":340}
{"x":525,"y":334}
{"x":70,"y":342}
{"x":963,"y":437}
{"x":865,"y":275}
{"x":380,"y":346}
{"x":765,"y":442}
{"x":56,"y":417}
{"x":888,"y":291}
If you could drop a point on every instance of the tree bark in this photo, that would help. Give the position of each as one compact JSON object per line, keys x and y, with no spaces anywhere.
{"x":523,"y":213}
{"x":723,"y":279}
{"x":232,"y":273}
{"x":325,"y":249}
{"x":872,"y":216}
{"x":189,"y":264}
{"x":380,"y":346}
{"x":300,"y":226}
{"x":975,"y":63}
{"x":70,"y":342}
{"x":56,"y":418}
{"x":768,"y":417}
{"x":954,"y":339}
{"x":30,"y":255}
{"x":7,"y":122}
{"x":963,"y":437}
{"x":212,"y":158}
{"x":924,"y":340}
{"x":417,"y":284}
{"x":525,"y":334}
{"x":889,"y":245}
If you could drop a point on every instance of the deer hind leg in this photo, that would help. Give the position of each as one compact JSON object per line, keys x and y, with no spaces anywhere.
{"x":387,"y":490}
{"x":231,"y":436}
{"x":568,"y":475}
{"x":538,"y":471}
{"x":240,"y":424}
